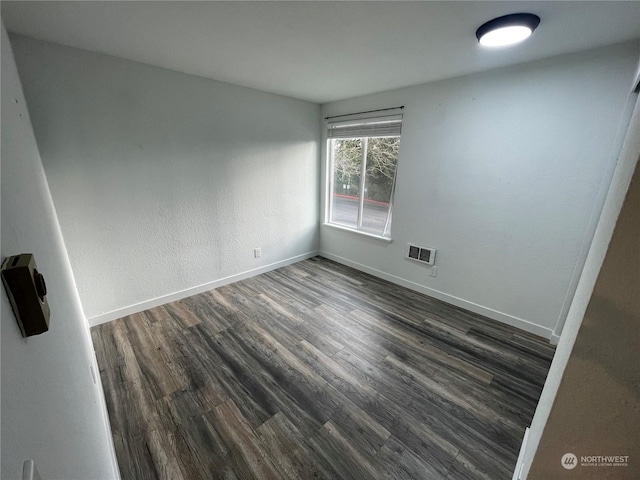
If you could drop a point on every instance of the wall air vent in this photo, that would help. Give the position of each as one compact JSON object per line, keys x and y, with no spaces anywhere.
{"x":420,"y":254}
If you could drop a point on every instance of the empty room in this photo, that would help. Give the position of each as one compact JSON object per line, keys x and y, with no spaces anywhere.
{"x":320,"y":240}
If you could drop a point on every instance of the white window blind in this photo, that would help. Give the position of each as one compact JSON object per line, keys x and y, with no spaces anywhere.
{"x":362,"y":158}
{"x":387,"y":126}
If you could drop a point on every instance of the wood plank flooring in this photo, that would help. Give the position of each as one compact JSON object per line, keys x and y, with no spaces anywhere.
{"x":317,"y":371}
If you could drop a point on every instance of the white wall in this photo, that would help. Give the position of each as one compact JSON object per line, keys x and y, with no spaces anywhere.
{"x":501,"y":172}
{"x":52,"y":411}
{"x":165,"y":181}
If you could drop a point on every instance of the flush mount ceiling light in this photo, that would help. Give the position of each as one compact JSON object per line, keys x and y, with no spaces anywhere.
{"x":507,"y":30}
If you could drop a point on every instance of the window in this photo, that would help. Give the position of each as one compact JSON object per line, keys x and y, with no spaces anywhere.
{"x":363,"y":158}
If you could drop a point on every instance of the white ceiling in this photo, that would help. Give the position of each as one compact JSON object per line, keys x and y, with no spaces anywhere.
{"x":319,"y":51}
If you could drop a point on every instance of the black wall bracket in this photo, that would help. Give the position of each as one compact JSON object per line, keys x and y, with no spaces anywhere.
{"x":27,"y":292}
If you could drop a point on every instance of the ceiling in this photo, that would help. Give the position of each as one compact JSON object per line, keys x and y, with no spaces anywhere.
{"x":320,"y":51}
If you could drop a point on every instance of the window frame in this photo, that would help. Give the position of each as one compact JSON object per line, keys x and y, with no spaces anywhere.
{"x":330,"y":181}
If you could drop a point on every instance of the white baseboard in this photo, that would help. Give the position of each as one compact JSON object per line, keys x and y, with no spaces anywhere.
{"x":459,"y":302}
{"x":445,"y":297}
{"x":555,"y":338}
{"x":172,"y":297}
{"x":105,"y":414}
{"x":517,"y":472}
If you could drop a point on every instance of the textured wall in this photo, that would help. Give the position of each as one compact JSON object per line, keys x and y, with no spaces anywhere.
{"x":501,"y":172}
{"x":164,"y":181}
{"x":50,"y":372}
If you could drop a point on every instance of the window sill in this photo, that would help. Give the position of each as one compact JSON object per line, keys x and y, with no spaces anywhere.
{"x":357,"y":232}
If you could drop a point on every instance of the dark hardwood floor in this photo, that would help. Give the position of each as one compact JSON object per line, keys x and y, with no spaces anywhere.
{"x":317,"y":371}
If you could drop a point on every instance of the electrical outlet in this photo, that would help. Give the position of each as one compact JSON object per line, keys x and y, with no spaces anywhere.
{"x":434,"y":271}
{"x":257,"y":252}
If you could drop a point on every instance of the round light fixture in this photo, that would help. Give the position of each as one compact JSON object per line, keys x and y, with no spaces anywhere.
{"x":507,"y":30}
